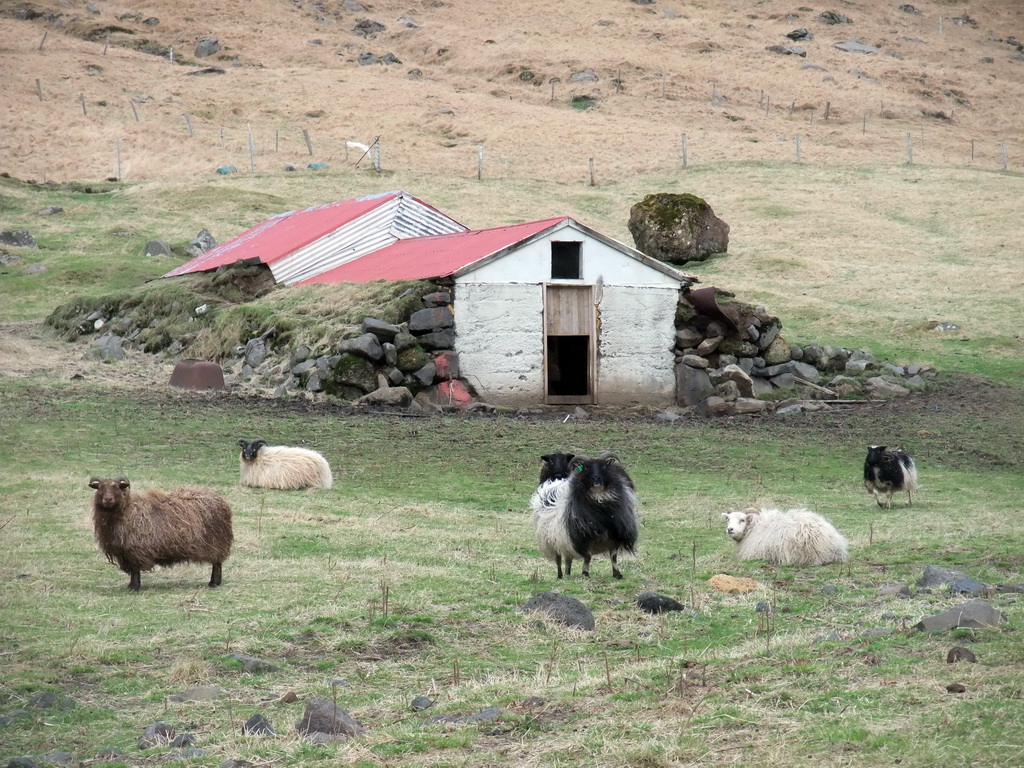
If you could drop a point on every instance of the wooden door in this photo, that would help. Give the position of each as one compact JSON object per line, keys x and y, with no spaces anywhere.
{"x":570,"y":344}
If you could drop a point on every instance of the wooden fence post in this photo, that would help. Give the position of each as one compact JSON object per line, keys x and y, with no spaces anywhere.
{"x":309,"y":144}
{"x":131,"y":103}
{"x":910,"y":151}
{"x":685,"y":158}
{"x":480,"y":162}
{"x":119,"y":174}
{"x":591,"y":171}
{"x":81,"y":98}
{"x":797,"y":142}
{"x":39,"y":89}
{"x":252,"y":150}
{"x":188,"y":122}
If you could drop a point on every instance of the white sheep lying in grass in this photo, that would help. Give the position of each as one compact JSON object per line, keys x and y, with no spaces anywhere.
{"x":796,"y":537}
{"x":282,"y":466}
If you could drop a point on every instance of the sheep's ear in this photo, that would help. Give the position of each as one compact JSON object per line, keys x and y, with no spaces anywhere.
{"x":243,"y":442}
{"x":94,"y":482}
{"x":122,"y":482}
{"x":751,"y":511}
{"x":570,"y":456}
{"x":546,"y":457}
{"x":609,"y":456}
{"x":725,"y":515}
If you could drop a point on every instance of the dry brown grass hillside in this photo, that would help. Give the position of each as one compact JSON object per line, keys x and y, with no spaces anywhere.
{"x":499,"y":74}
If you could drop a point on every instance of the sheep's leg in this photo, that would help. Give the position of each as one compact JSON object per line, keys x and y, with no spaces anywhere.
{"x":215,"y":576}
{"x":615,"y":565}
{"x":586,"y":566}
{"x":134,"y":579}
{"x":910,"y":497}
{"x":558,"y":564}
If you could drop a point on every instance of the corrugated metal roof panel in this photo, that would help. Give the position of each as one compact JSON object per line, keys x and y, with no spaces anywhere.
{"x":427,"y":257}
{"x":279,"y":238}
{"x":401,"y":217}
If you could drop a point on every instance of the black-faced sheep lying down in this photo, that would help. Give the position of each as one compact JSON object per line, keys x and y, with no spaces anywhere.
{"x":141,"y":531}
{"x":796,"y":537}
{"x":590,"y":512}
{"x":888,"y":470}
{"x":557,"y":466}
{"x":282,"y":467}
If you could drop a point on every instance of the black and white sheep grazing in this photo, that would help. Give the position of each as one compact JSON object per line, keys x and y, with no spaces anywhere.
{"x":557,"y":466}
{"x":888,"y":470}
{"x":590,"y":512}
{"x":282,"y":467}
{"x":796,"y":537}
{"x":141,"y":531}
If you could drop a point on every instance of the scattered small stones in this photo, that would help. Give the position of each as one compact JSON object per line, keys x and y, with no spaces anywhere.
{"x":207,"y":47}
{"x":895,"y":590}
{"x":959,"y":653}
{"x":855,"y":46}
{"x":50,"y":211}
{"x":652,"y":602}
{"x":956,"y":688}
{"x":968,"y":587}
{"x":562,"y":609}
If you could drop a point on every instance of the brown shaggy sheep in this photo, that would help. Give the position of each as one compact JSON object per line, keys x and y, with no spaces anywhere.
{"x":141,"y":531}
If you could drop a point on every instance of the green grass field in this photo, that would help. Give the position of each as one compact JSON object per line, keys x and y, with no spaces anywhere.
{"x":408,"y":576}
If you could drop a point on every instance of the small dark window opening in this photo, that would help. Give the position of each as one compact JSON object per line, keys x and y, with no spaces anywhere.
{"x":568,"y":358}
{"x":565,"y":261}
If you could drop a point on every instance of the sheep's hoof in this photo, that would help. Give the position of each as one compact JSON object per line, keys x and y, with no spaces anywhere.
{"x":617,"y":574}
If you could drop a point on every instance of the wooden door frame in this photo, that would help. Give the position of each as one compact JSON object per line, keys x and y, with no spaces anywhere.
{"x":591,"y":332}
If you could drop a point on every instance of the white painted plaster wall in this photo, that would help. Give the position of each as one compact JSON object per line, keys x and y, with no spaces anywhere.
{"x":636,"y":337}
{"x":500,"y":340}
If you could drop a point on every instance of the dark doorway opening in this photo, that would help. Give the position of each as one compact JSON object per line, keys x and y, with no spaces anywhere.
{"x":568,"y":366}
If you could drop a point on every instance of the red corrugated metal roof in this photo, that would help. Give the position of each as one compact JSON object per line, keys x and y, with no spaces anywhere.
{"x":421,"y":258}
{"x":285,"y":233}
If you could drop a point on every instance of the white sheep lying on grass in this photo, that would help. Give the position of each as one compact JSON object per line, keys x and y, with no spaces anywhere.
{"x":796,"y":537}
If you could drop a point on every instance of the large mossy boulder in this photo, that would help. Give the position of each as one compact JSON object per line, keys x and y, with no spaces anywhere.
{"x":677,"y":228}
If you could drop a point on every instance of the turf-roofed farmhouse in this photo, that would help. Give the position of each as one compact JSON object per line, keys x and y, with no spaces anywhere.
{"x":544,"y":311}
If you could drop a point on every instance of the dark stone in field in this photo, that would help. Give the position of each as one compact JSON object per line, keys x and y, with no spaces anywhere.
{"x":967,"y":587}
{"x":155,"y":734}
{"x":188,"y":754}
{"x":420,"y":703}
{"x":974,"y":614}
{"x":897,"y":590}
{"x":59,"y":758}
{"x":235,"y":764}
{"x":491,"y":713}
{"x":322,"y":716}
{"x":959,"y":653}
{"x":562,"y":609}
{"x":1010,"y":588}
{"x":258,"y":725}
{"x":956,"y":688}
{"x":43,"y":700}
{"x":252,"y":664}
{"x":831,"y":589}
{"x":18,"y":237}
{"x":937,"y":576}
{"x":876,"y":632}
{"x":763,"y":607}
{"x":199,"y":693}
{"x":652,"y":602}
{"x":183,"y":740}
{"x":22,"y":762}
{"x":14,"y":715}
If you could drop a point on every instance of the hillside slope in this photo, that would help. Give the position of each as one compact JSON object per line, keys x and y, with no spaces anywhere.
{"x":501,"y":75}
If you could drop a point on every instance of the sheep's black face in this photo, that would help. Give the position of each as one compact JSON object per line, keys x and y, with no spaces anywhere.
{"x":875,"y":453}
{"x":594,"y":475}
{"x":250,"y":449}
{"x":557,"y":466}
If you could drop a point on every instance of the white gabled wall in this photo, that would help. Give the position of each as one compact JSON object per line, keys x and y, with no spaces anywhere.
{"x":531,"y":263}
{"x":500,"y":332}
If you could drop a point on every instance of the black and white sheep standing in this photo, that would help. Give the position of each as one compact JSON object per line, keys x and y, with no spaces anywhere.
{"x":888,"y":470}
{"x":796,"y":537}
{"x":590,"y":512}
{"x":141,"y":531}
{"x":282,"y":467}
